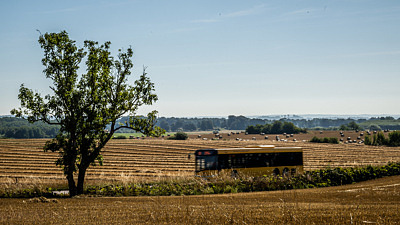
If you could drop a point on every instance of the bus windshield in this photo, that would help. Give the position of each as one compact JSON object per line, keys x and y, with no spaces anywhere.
{"x":206,"y":163}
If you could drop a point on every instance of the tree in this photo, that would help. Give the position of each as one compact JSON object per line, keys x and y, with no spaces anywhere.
{"x":164,"y":125}
{"x":206,"y":124}
{"x":353,"y":125}
{"x":84,"y":105}
{"x":251,"y":130}
{"x":276,"y":127}
{"x":267,"y":129}
{"x":189,"y":126}
{"x":178,"y":125}
{"x":290,"y":128}
{"x":343,"y":127}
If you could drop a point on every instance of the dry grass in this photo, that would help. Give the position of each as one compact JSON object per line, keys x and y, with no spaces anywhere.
{"x":126,"y":161}
{"x":23,"y":161}
{"x":371,"y":202}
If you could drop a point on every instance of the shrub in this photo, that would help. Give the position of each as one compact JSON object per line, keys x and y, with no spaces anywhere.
{"x":179,"y":136}
{"x":394,"y":138}
{"x":380,"y":139}
{"x":315,"y":139}
{"x":367,"y":140}
{"x":331,"y":140}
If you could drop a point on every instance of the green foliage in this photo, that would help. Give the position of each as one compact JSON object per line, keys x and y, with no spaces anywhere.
{"x":381,"y":123}
{"x":353,"y":125}
{"x":331,"y":140}
{"x":350,"y":126}
{"x":379,"y":139}
{"x":374,"y":127}
{"x":11,"y":127}
{"x":367,"y":140}
{"x":83,"y":106}
{"x":206,"y":125}
{"x":278,"y":127}
{"x":394,"y":138}
{"x":179,"y":136}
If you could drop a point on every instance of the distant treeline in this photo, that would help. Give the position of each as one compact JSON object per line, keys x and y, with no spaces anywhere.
{"x":173,"y":124}
{"x":11,"y":127}
{"x":278,"y":127}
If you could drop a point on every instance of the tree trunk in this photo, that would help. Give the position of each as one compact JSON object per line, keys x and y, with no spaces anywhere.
{"x":71,"y":184}
{"x":81,"y":179}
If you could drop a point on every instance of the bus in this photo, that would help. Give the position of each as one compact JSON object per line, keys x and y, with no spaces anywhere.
{"x":251,"y":160}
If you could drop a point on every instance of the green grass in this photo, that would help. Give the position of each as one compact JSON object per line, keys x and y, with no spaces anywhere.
{"x":380,"y":123}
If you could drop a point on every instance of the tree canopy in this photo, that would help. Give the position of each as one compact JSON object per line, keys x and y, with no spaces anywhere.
{"x":83,"y":105}
{"x":275,"y":128}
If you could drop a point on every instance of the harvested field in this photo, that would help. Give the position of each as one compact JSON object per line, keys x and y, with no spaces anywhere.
{"x":370,"y":202}
{"x":233,"y":135}
{"x":23,"y":161}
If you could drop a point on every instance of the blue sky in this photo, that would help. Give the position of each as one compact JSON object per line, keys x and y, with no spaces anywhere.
{"x":219,"y":58}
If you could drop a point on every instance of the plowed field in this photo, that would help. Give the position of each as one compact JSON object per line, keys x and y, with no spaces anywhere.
{"x":371,"y":202}
{"x":24,"y":160}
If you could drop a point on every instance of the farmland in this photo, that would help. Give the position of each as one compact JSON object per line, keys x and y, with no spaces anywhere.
{"x":23,"y":163}
{"x":149,"y":159}
{"x":371,"y":202}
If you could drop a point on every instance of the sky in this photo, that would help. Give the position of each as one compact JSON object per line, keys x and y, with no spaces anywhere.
{"x":220,"y":58}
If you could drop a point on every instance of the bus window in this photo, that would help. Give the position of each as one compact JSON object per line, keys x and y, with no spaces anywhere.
{"x":206,"y":163}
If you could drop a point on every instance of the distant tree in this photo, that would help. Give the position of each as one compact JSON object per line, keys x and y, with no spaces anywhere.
{"x":179,"y":136}
{"x":276,"y":127}
{"x":375,"y":127}
{"x":290,"y":128}
{"x":252,"y":130}
{"x":189,"y":126}
{"x":237,"y":122}
{"x":353,"y":125}
{"x":84,"y":105}
{"x":165,"y":125}
{"x":22,"y":132}
{"x":206,"y":124}
{"x":178,"y":125}
{"x":343,"y":127}
{"x":266,"y":129}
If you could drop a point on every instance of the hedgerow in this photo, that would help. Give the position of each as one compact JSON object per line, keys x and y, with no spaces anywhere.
{"x":331,"y":140}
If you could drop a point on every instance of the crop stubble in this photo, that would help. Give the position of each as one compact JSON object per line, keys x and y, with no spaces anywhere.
{"x":371,"y":202}
{"x":21,"y":160}
{"x":375,"y":202}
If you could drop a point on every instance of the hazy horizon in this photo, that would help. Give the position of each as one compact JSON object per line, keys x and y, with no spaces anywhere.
{"x":292,"y":116}
{"x":210,"y":58}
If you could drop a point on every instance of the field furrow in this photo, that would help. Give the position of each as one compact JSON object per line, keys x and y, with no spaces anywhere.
{"x":168,"y":158}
